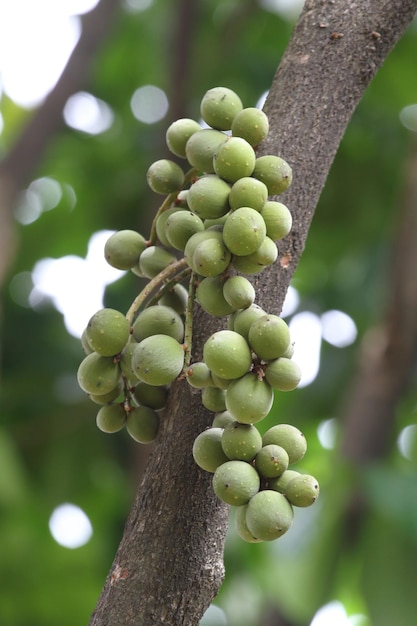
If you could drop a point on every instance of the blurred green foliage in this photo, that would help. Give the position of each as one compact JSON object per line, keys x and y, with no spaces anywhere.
{"x":50,"y":449}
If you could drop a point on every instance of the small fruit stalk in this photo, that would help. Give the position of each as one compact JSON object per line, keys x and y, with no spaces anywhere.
{"x":217,"y":226}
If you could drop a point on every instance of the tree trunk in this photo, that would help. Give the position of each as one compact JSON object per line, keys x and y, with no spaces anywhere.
{"x":169,"y":564}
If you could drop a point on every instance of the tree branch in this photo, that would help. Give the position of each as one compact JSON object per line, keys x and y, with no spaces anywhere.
{"x":169,"y":564}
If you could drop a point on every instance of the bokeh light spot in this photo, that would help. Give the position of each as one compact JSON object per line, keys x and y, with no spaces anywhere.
{"x":87,"y":113}
{"x":149,"y":104}
{"x":70,"y":526}
{"x":338,"y":328}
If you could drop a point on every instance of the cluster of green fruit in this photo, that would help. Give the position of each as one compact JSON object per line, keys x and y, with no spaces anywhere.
{"x":216,"y":223}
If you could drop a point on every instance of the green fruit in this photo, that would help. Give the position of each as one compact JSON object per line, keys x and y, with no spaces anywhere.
{"x":248,"y":191}
{"x":108,"y":332}
{"x":252,"y":124}
{"x":242,"y":265}
{"x":153,"y":260}
{"x":269,"y":515}
{"x":199,"y":375}
{"x":236,"y":482}
{"x":208,"y":197}
{"x":165,"y":176}
{"x":241,"y":441}
{"x":176,"y":298}
{"x":219,"y":107}
{"x":211,"y":257}
{"x":161,"y":221}
{"x":108,"y":398}
{"x":142,"y":424}
{"x":277,"y":218}
{"x":302,"y":490}
{"x":280,"y":483}
{"x":283,"y":374}
{"x":221,"y":383}
{"x":209,"y":295}
{"x":153,"y":397}
{"x":111,"y":418}
{"x":249,"y":399}
{"x":202,"y":146}
{"x":238,"y":292}
{"x":288,"y":437}
{"x":178,"y":133}
{"x":234,"y":159}
{"x":207,"y":450}
{"x":158,"y":360}
{"x":213,"y":399}
{"x":271,"y":461}
{"x":227,"y":354}
{"x":265,"y":255}
{"x":269,"y":337}
{"x":243,"y":231}
{"x":97,"y":374}
{"x":222,"y":419}
{"x":125,"y":362}
{"x":241,"y":526}
{"x":274,"y":172}
{"x":243,"y":320}
{"x":158,"y":320}
{"x":180,"y":226}
{"x":195,"y":240}
{"x":85,"y":344}
{"x":123,"y":248}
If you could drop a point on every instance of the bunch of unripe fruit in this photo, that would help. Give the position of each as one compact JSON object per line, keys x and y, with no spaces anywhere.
{"x":216,"y":226}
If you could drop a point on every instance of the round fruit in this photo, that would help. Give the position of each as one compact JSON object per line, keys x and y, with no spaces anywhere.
{"x":150,"y":396}
{"x":158,"y":360}
{"x":243,"y":231}
{"x":290,"y":438}
{"x":277,"y":218}
{"x":280,"y":483}
{"x":180,"y":226}
{"x":248,"y":191}
{"x":302,"y":490}
{"x":125,"y":362}
{"x":209,"y":197}
{"x":178,"y":133}
{"x":213,"y":399}
{"x":123,"y":248}
{"x":234,"y":159}
{"x":158,"y":320}
{"x":241,"y":526}
{"x":269,"y":515}
{"x":209,"y":295}
{"x":241,"y":441}
{"x":252,"y":124}
{"x":142,"y":424}
{"x":243,"y":320}
{"x":238,"y":292}
{"x":227,"y":354}
{"x":165,"y":176}
{"x":195,"y":240}
{"x":222,"y":419}
{"x":111,"y":418}
{"x":271,"y":461}
{"x":219,"y":107}
{"x":207,"y":450}
{"x":269,"y":337}
{"x":211,"y":257}
{"x":249,"y":399}
{"x":176,"y":298}
{"x":153,"y":260}
{"x":107,"y":332}
{"x":265,"y":255}
{"x":161,"y":223}
{"x":236,"y":482}
{"x":199,"y":375}
{"x":283,"y":374}
{"x":108,"y":398}
{"x":274,"y":172}
{"x":202,"y":146}
{"x":98,"y":374}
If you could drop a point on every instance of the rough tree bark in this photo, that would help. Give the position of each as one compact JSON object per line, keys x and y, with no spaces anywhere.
{"x":169,"y":564}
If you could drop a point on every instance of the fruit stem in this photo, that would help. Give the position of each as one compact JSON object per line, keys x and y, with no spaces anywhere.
{"x":188,"y":324}
{"x":155,"y":283}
